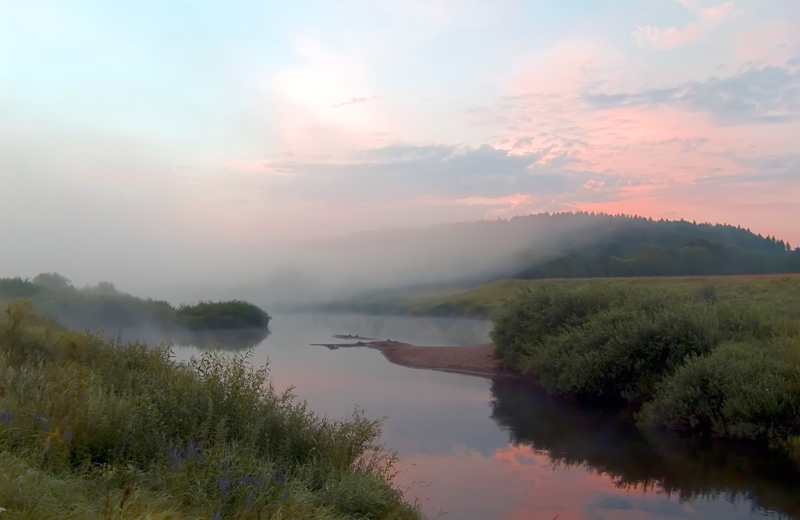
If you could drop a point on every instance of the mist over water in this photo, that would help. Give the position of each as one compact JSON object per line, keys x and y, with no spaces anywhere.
{"x":285,"y":273}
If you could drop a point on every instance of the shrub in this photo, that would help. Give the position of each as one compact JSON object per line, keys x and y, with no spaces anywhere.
{"x":744,"y":389}
{"x":594,"y":342}
{"x":234,"y":314}
{"x":535,"y":314}
{"x":695,"y":364}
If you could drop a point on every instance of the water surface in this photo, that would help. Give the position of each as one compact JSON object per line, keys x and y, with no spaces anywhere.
{"x":473,"y":448}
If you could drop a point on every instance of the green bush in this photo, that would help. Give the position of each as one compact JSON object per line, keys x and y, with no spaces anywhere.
{"x":745,"y":389}
{"x":594,"y":342}
{"x":535,"y":314}
{"x":695,"y":364}
{"x":92,"y":428}
{"x":233,"y":314}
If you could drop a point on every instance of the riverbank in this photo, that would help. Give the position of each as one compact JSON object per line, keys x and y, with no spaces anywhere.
{"x":692,"y":364}
{"x":96,"y":428}
{"x":476,"y":359}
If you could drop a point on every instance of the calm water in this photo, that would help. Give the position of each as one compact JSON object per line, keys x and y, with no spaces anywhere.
{"x":472,"y":448}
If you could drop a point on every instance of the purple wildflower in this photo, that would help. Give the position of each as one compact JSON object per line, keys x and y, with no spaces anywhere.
{"x":192,"y":451}
{"x":44,"y":424}
{"x":175,"y":458}
{"x":6,"y":417}
{"x":225,"y":484}
{"x":279,"y":477}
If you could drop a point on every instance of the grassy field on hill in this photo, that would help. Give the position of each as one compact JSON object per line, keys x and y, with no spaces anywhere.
{"x":776,"y":292}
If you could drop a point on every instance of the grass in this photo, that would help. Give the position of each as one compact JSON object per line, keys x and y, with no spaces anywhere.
{"x":695,"y":362}
{"x":778,"y":293}
{"x":98,"y":429}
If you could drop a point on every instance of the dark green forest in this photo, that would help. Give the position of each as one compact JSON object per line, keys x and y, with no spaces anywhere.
{"x":637,"y":246}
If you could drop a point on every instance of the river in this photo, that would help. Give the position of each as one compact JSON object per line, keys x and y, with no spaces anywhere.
{"x":472,"y":448}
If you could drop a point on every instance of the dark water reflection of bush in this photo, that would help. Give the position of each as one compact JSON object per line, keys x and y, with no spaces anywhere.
{"x":608,"y":443}
{"x":229,"y":340}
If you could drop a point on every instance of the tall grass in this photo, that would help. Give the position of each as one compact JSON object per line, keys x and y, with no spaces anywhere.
{"x":92,"y":428}
{"x":726,"y":368}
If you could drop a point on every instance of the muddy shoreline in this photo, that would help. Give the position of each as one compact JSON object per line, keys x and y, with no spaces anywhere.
{"x":474,"y":360}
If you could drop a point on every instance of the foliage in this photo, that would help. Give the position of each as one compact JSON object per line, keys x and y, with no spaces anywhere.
{"x":234,"y":314}
{"x":93,"y":428}
{"x":104,"y":307}
{"x":745,"y":389}
{"x":636,"y":246}
{"x":665,"y":348}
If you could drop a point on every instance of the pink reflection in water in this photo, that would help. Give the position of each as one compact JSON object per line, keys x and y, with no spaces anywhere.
{"x":519,"y":483}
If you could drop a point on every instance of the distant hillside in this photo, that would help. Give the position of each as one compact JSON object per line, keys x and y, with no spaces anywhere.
{"x":467,"y":254}
{"x":644,"y":247}
{"x":375,"y":266}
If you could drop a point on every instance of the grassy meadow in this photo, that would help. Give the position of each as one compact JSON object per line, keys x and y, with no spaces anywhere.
{"x":779,"y":293}
{"x":97,"y":429}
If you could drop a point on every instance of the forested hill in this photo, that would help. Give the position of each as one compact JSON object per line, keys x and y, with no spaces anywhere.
{"x":644,"y":247}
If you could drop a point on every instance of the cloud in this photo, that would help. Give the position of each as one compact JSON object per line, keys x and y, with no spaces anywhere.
{"x":688,"y":144}
{"x":514,"y":200}
{"x":352,"y":101}
{"x":649,"y":35}
{"x":445,"y":174}
{"x":781,"y":168}
{"x":757,"y":95}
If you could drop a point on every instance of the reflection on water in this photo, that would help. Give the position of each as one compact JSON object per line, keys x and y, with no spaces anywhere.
{"x":228,"y":340}
{"x":611,"y":446}
{"x":480,"y":449}
{"x":231,"y":340}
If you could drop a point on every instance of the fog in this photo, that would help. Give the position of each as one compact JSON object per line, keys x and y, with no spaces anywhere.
{"x":284,"y":273}
{"x":449,"y":255}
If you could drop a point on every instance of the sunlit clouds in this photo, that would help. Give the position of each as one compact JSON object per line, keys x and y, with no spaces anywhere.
{"x":245,"y":123}
{"x":707,"y":19}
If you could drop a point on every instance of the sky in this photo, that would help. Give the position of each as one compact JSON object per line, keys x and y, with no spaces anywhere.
{"x":163,"y":129}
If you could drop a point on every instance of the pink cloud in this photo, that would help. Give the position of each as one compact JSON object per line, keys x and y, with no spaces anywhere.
{"x":510,"y":200}
{"x":764,"y":207}
{"x":649,"y":35}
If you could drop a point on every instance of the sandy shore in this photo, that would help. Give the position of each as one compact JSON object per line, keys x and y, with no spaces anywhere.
{"x":476,"y":360}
